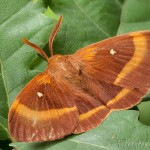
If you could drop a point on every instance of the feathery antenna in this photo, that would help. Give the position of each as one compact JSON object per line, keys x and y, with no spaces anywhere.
{"x":53,"y":34}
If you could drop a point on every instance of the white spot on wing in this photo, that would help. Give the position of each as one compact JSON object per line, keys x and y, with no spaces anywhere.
{"x":112,"y":52}
{"x":39,"y":94}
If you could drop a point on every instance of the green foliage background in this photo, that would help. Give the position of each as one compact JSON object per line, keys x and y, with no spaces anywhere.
{"x":84,"y":22}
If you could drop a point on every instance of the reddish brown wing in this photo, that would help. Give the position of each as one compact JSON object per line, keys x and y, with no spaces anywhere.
{"x":44,"y":110}
{"x":99,"y":99}
{"x":123,"y":60}
{"x":114,"y":72}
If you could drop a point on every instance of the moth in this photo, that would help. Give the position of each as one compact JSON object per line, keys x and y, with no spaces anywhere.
{"x":77,"y":92}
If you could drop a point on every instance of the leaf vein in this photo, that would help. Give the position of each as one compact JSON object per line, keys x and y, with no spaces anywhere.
{"x":3,"y":78}
{"x":81,"y":142}
{"x":91,"y":20}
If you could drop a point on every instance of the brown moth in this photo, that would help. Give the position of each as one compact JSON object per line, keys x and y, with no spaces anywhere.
{"x":77,"y":92}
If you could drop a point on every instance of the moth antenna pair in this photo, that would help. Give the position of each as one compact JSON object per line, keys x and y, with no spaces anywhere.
{"x":51,"y":39}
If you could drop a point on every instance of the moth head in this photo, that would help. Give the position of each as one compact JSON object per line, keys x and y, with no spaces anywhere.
{"x":57,"y":63}
{"x":54,"y":60}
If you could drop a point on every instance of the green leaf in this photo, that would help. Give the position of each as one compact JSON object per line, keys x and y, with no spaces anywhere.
{"x":144,"y":112}
{"x":92,"y":22}
{"x":51,"y":14}
{"x":121,"y":131}
{"x":27,"y":20}
{"x":3,"y":95}
{"x":84,"y":22}
{"x":3,"y":129}
{"x":135,"y":16}
{"x":24,"y":19}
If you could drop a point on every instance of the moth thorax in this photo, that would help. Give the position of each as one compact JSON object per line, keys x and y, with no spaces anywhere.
{"x":62,"y":64}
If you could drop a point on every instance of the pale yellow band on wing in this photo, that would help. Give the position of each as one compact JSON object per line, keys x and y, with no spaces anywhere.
{"x":120,"y":95}
{"x":28,"y":113}
{"x":139,"y":53}
{"x":91,"y":112}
